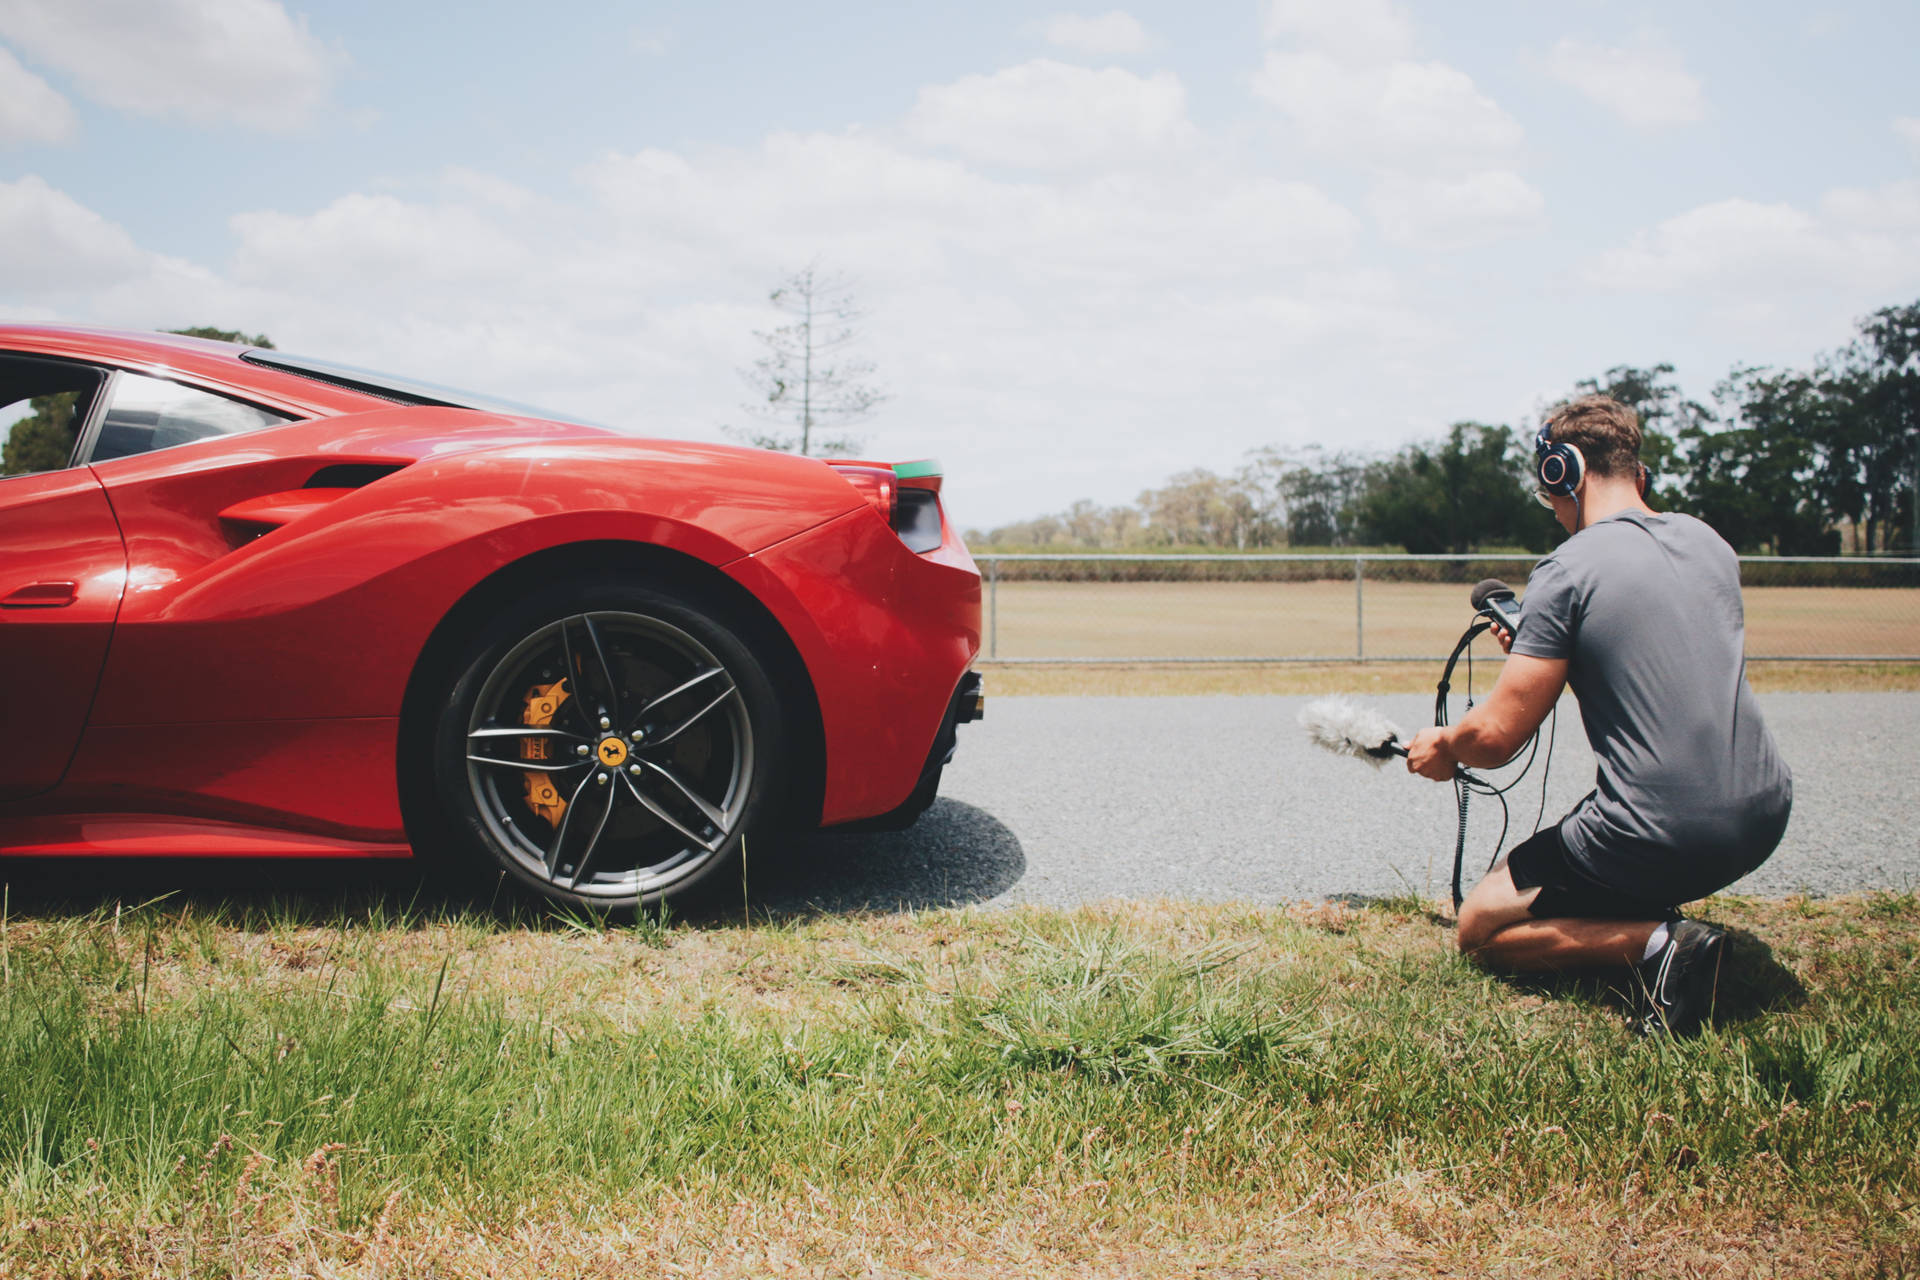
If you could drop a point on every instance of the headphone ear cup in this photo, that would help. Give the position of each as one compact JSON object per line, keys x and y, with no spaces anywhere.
{"x":1561,"y":469}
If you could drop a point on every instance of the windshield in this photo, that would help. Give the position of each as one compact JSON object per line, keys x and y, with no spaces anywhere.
{"x":401,"y":390}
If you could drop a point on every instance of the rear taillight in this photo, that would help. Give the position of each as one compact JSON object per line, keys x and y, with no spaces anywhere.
{"x":917,"y":519}
{"x":876,"y":484}
{"x":905,"y":495}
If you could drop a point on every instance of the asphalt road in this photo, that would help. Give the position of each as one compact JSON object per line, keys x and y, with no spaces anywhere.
{"x":1069,"y":800}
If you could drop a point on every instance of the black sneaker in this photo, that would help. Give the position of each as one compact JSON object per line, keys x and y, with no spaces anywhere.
{"x":1679,"y":980}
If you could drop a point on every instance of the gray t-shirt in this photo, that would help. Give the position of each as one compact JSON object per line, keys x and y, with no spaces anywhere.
{"x":1691,"y":792}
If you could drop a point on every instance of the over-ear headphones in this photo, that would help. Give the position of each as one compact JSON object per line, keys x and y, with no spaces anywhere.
{"x":1561,"y":466}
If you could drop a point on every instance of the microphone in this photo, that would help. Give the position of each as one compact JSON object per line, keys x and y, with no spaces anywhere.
{"x":1347,"y":728}
{"x":1494,"y":599}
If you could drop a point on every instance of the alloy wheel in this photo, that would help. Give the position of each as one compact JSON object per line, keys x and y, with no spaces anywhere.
{"x":610,"y":755}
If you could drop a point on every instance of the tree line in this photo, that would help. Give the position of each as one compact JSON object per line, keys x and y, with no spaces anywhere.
{"x":1814,"y":461}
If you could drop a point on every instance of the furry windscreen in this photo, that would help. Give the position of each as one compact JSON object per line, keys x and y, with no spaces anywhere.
{"x":1349,"y":729}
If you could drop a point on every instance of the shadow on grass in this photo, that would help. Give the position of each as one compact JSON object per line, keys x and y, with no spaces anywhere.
{"x":1406,"y":904}
{"x":1752,"y":983}
{"x":955,"y":854}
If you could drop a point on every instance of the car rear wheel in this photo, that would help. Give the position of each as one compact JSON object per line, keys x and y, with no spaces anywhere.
{"x":608,"y":747}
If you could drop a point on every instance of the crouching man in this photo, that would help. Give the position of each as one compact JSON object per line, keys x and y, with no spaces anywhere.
{"x":1640,"y":613}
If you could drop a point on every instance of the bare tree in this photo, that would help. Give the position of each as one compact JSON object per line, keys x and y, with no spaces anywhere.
{"x":811,"y":377}
{"x":1200,"y":509}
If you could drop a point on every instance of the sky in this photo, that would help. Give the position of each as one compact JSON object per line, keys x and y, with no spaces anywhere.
{"x":1095,"y":246}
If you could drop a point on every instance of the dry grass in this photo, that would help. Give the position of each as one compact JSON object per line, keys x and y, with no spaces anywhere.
{"x":1771,"y":1149}
{"x":1006,"y":679}
{"x":1299,"y":619}
{"x":1407,"y":1226}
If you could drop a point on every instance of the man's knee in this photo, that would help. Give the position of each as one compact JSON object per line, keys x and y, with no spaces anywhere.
{"x":1474,"y":930}
{"x":1493,"y":904}
{"x":1477,"y":927}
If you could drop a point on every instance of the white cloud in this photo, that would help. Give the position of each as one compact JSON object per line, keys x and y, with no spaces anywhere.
{"x":1006,"y":311}
{"x":851,"y":198}
{"x":48,"y":240}
{"x":242,"y":62}
{"x":648,"y":42}
{"x":1111,"y":34}
{"x":1862,"y":213}
{"x":1647,"y":85}
{"x":31,"y":110}
{"x":1740,"y":250}
{"x":1355,"y":31}
{"x":1456,"y":213}
{"x":1027,"y":311}
{"x":1439,"y":153}
{"x":464,"y":184}
{"x":1729,"y":243}
{"x":1419,"y":116}
{"x":1779,"y":280}
{"x":60,"y":259}
{"x":1181,"y":307}
{"x":1049,"y":115}
{"x":896,"y":215}
{"x":358,"y":238}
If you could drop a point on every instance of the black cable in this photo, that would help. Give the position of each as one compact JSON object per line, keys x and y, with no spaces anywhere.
{"x":1462,"y":790}
{"x":1532,"y":747}
{"x":1546,"y":769}
{"x":1502,"y":838}
{"x":1466,"y":786}
{"x":1461,"y":793}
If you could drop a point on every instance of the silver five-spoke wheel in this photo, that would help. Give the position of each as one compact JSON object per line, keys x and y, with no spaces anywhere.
{"x":609,"y":755}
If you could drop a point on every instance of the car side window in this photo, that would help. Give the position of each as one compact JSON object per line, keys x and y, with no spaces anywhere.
{"x":43,"y":408}
{"x":144,"y":414}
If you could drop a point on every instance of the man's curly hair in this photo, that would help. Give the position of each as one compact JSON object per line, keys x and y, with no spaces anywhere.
{"x":1606,"y":432}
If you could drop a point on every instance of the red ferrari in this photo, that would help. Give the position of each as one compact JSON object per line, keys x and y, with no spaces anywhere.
{"x":263,"y":606}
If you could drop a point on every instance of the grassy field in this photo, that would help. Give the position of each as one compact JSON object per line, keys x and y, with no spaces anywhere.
{"x":341,"y":1087}
{"x":353,"y":1084}
{"x":1316,"y":619}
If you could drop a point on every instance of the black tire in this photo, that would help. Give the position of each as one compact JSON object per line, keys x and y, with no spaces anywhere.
{"x":646,"y":713}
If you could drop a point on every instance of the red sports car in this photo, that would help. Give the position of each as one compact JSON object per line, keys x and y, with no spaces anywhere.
{"x":258,"y":605}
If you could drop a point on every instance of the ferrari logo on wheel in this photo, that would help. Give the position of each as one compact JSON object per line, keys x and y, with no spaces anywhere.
{"x":613,"y":752}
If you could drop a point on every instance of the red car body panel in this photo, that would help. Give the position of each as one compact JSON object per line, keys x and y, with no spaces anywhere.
{"x":230,"y":678}
{"x":903,"y":615}
{"x":63,"y":570}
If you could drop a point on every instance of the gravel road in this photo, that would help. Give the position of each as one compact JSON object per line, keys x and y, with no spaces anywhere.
{"x":1069,"y":800}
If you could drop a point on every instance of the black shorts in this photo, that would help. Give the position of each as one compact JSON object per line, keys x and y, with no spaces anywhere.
{"x":1566,"y":890}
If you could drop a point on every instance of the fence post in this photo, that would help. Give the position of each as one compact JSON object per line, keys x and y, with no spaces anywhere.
{"x":993,"y":607}
{"x":1359,"y":609}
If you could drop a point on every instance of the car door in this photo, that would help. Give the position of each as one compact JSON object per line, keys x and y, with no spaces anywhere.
{"x":63,"y":569}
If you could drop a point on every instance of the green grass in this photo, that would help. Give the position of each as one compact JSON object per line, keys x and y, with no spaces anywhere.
{"x":379,"y":1090}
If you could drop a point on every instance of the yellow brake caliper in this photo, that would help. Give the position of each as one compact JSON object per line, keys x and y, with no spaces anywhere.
{"x":543,"y":700}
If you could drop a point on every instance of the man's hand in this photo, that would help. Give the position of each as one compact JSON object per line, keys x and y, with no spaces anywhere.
{"x":1504,"y":636}
{"x":1429,"y":755}
{"x":1489,"y":735}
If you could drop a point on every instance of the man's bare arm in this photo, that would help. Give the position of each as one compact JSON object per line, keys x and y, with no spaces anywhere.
{"x":1489,"y":734}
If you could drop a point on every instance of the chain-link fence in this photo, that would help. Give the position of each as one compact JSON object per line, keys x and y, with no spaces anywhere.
{"x":1308,"y":608}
